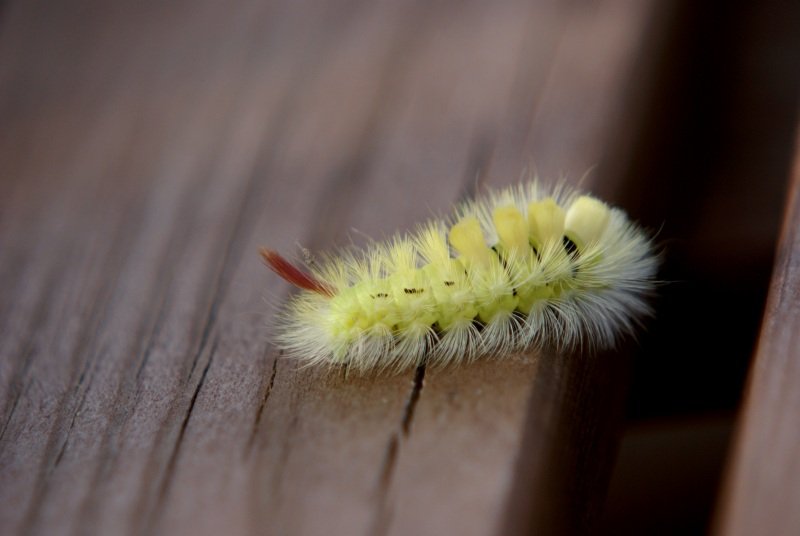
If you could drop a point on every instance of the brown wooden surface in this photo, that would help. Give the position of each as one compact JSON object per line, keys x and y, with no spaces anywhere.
{"x":762,"y":489}
{"x":148,"y":149}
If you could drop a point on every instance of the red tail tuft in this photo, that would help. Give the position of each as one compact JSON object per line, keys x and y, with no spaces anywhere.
{"x":292,"y":274}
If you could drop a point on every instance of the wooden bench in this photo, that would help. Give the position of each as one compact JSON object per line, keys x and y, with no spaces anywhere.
{"x":147,"y":150}
{"x":761,"y":490}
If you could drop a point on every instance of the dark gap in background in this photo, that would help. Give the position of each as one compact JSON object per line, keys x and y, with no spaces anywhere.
{"x":710,"y":172}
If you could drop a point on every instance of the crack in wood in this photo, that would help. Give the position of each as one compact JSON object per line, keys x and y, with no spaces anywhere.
{"x":411,"y":403}
{"x":88,"y":367}
{"x":263,"y":404}
{"x":166,"y":479}
{"x":152,"y":337}
{"x":383,"y":511}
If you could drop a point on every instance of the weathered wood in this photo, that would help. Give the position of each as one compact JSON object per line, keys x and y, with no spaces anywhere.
{"x":147,"y":151}
{"x":762,"y":486}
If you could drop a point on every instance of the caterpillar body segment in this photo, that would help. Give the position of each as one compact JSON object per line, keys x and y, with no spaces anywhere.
{"x":517,"y":269}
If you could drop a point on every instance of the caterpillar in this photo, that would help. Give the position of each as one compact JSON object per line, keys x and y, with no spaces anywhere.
{"x":519,"y":268}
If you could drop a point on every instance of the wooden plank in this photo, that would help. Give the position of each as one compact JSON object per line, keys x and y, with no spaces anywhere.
{"x":148,"y":150}
{"x":761,"y":490}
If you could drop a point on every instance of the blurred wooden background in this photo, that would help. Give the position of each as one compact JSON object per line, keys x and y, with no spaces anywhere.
{"x":147,"y":149}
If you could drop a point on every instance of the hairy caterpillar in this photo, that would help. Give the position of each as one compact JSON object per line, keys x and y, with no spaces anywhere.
{"x":521,"y":267}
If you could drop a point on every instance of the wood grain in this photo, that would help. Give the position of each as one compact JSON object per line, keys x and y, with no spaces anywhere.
{"x":149,"y":149}
{"x":761,"y":490}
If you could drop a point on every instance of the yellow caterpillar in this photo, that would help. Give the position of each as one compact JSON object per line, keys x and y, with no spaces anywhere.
{"x":519,"y":268}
